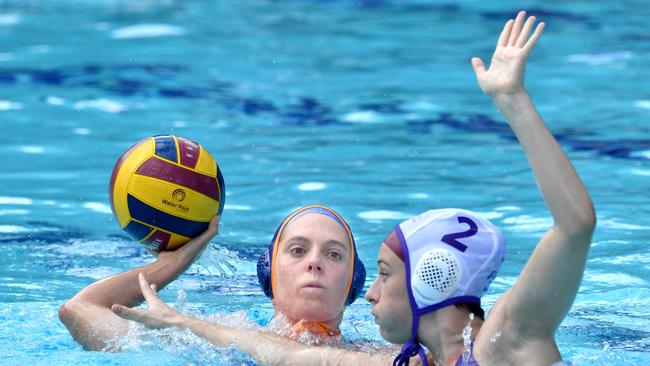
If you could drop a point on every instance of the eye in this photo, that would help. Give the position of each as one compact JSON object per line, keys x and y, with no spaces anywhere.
{"x":335,"y":255}
{"x":297,"y":251}
{"x":383,"y":275}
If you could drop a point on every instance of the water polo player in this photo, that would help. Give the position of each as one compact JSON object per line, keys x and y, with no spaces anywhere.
{"x":434,"y":267}
{"x":310,"y":270}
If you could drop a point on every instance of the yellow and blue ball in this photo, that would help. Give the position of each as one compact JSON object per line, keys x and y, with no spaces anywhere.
{"x":164,"y":190}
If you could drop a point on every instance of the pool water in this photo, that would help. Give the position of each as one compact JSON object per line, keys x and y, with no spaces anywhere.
{"x":369,"y":107}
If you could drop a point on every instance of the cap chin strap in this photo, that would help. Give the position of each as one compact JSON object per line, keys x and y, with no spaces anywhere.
{"x":412,"y":347}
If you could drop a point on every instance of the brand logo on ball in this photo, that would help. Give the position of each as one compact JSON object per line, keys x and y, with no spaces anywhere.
{"x":179,"y":195}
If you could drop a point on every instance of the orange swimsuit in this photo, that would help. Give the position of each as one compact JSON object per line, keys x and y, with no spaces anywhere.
{"x":321,"y":330}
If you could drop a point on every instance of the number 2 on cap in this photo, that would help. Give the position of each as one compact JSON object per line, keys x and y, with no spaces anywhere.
{"x":451,"y":238}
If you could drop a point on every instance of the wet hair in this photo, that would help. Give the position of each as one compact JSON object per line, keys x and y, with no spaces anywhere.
{"x":473,"y":308}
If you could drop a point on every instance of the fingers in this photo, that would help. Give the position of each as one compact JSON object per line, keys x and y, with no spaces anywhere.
{"x":505,"y":34}
{"x":516,"y":33}
{"x":127,"y":313}
{"x":146,"y":289}
{"x":533,"y":39}
{"x":214,"y":224}
{"x":516,"y":28}
{"x":523,"y":37}
{"x":154,"y":288}
{"x":478,"y":65}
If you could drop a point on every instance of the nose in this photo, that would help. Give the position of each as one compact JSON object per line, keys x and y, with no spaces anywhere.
{"x":314,"y":263}
{"x":371,"y":294}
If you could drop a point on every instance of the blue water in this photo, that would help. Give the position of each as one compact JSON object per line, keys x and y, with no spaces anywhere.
{"x":370,"y":107}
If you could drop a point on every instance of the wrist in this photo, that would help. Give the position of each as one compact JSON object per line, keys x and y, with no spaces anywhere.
{"x":508,"y":101}
{"x":505,"y":96}
{"x":182,"y":321}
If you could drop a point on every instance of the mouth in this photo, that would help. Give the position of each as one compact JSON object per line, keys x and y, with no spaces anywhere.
{"x":313,"y":285}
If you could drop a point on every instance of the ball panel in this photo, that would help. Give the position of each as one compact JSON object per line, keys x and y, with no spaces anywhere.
{"x":158,"y":240}
{"x":177,"y":241}
{"x":138,"y":231}
{"x":161,"y":169}
{"x":173,"y":199}
{"x":206,"y":164}
{"x":189,"y":152}
{"x":148,"y":215}
{"x":166,"y":147}
{"x":116,"y":170}
{"x":131,"y":162}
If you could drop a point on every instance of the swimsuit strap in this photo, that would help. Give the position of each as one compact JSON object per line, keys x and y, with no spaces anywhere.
{"x":470,"y":361}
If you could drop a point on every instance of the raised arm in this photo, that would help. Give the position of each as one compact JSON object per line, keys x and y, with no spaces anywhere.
{"x":544,"y":293}
{"x":265,"y":348}
{"x":88,"y":314}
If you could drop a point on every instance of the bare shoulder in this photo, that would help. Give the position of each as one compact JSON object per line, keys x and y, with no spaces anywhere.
{"x":501,"y":342}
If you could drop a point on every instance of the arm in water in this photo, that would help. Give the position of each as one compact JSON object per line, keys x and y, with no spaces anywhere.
{"x":265,"y":348}
{"x":88,"y":314}
{"x":529,"y":313}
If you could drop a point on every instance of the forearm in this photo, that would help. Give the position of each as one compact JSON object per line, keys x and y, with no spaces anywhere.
{"x":270,"y":349}
{"x":561,"y":187}
{"x":123,"y":288}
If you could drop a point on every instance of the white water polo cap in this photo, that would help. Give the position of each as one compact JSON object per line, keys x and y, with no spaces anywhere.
{"x":451,"y":256}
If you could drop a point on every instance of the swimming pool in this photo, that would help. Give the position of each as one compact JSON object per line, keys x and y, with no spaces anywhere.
{"x":369,"y":107}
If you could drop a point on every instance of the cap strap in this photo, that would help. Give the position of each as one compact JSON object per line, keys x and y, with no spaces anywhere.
{"x":410,"y":349}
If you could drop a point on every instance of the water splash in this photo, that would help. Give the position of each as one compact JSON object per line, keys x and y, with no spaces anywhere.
{"x":181,"y":301}
{"x":182,"y":343}
{"x":221,"y":261}
{"x":495,"y":336}
{"x":467,"y":340}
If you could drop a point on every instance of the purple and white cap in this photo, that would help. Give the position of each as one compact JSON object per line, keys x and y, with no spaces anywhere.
{"x":451,"y":256}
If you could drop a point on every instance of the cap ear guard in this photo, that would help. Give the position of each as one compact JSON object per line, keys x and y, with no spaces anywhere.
{"x":264,"y":271}
{"x":264,"y":266}
{"x":437,"y":275}
{"x":358,"y":279}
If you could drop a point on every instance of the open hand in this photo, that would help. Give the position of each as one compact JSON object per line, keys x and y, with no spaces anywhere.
{"x":158,"y":314}
{"x":506,"y":72}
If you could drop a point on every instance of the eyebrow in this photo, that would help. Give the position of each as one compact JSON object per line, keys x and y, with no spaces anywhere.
{"x":381,"y":261}
{"x":298,"y":238}
{"x":305,"y":240}
{"x":337,"y":243}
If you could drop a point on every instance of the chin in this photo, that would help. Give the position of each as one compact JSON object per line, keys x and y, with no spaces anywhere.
{"x":393,"y":337}
{"x":313,"y":311}
{"x":314,"y":314}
